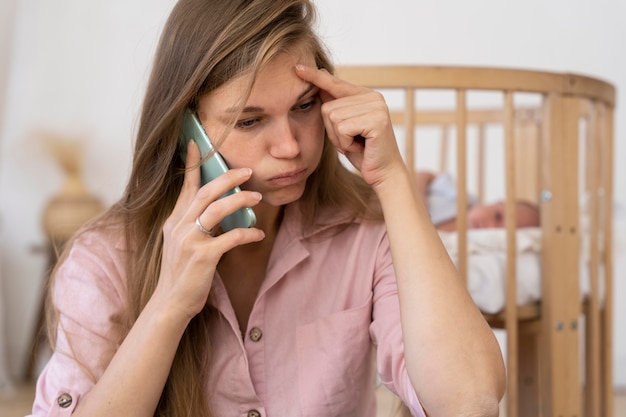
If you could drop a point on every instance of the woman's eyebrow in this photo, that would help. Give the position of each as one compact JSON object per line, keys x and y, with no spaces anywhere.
{"x":310,"y":87}
{"x":258,"y":109}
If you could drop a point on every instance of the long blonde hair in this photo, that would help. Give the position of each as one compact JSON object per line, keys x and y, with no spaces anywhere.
{"x":206,"y":43}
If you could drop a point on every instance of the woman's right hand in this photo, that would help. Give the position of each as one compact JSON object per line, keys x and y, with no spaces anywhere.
{"x":190,"y":256}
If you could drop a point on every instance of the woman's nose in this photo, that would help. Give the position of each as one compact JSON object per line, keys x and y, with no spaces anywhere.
{"x":284,"y":143}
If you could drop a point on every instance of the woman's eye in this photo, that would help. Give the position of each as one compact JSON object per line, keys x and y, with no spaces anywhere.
{"x":244,"y":124}
{"x":307,"y":105}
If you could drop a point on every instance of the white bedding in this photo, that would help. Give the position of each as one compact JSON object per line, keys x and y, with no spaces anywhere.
{"x":487,"y":261}
{"x":486,"y":279}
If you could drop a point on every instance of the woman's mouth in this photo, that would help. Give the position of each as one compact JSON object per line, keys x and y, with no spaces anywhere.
{"x":288,"y":178}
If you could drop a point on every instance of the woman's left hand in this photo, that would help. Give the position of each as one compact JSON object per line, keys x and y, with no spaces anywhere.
{"x":357,"y":122}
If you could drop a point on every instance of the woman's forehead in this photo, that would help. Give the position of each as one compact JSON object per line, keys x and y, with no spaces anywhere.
{"x":276,"y":78}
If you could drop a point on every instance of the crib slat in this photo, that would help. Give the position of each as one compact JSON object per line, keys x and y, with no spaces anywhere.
{"x":443,"y":156}
{"x":559,"y":344}
{"x":593,"y":383}
{"x":527,"y":137}
{"x":511,"y":260}
{"x":607,"y":333}
{"x":480,"y":194}
{"x":461,"y":160}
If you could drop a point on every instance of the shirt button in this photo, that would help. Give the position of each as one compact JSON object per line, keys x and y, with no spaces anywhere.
{"x":254,"y":413}
{"x":255,"y":335}
{"x":64,"y":400}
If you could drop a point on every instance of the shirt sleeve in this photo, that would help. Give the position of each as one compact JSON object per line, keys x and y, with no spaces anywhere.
{"x":386,"y":332}
{"x":89,"y":295}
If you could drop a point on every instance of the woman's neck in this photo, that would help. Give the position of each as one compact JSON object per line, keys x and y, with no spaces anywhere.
{"x":268,"y":218}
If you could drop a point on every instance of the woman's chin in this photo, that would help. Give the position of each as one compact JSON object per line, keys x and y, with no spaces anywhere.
{"x":283,"y":196}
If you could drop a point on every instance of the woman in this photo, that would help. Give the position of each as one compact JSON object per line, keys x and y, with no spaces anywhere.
{"x":161,"y":313}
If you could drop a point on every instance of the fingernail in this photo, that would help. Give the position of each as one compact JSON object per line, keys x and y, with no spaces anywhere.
{"x":257,"y":196}
{"x":300,"y":67}
{"x":245,"y":172}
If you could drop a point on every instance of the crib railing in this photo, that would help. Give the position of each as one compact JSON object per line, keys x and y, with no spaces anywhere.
{"x":549,"y":149}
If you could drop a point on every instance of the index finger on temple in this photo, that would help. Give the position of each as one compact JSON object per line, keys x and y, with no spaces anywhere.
{"x":327,"y":82}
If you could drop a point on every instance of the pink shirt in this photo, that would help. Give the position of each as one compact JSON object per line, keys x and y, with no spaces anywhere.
{"x":325,"y":321}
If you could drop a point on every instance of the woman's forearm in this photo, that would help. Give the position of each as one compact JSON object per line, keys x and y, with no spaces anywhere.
{"x":133,"y":381}
{"x":452,"y":356}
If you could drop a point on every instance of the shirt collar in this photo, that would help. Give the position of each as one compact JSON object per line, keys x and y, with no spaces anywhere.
{"x":327,"y":218}
{"x":289,"y":248}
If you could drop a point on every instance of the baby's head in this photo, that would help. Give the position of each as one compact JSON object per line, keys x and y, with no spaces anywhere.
{"x":483,"y":216}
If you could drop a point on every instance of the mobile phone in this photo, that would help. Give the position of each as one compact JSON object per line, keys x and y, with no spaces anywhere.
{"x":192,"y":129}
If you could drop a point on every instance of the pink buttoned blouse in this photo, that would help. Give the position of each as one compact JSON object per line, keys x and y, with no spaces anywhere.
{"x":325,"y":321}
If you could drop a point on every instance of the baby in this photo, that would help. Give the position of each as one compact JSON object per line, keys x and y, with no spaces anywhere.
{"x":439,"y":193}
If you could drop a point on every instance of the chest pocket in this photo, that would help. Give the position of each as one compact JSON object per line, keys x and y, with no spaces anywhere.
{"x":334,"y":363}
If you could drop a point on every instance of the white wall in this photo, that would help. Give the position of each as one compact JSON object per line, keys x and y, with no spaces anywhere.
{"x":7,"y":14}
{"x":79,"y":68}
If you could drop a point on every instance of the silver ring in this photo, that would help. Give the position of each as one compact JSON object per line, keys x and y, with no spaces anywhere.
{"x":201,"y":228}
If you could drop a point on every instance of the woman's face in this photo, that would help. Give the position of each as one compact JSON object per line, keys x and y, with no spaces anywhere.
{"x":280,"y":132}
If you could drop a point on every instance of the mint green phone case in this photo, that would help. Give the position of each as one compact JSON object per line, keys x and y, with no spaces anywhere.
{"x":213,"y":167}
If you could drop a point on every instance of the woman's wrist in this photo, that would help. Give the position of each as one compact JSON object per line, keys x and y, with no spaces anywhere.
{"x":396,"y":180}
{"x":167,"y":313}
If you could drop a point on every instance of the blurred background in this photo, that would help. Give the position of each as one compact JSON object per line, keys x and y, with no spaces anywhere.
{"x":72,"y":75}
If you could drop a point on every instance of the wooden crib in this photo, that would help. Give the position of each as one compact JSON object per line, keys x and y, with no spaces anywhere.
{"x":552,"y":136}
